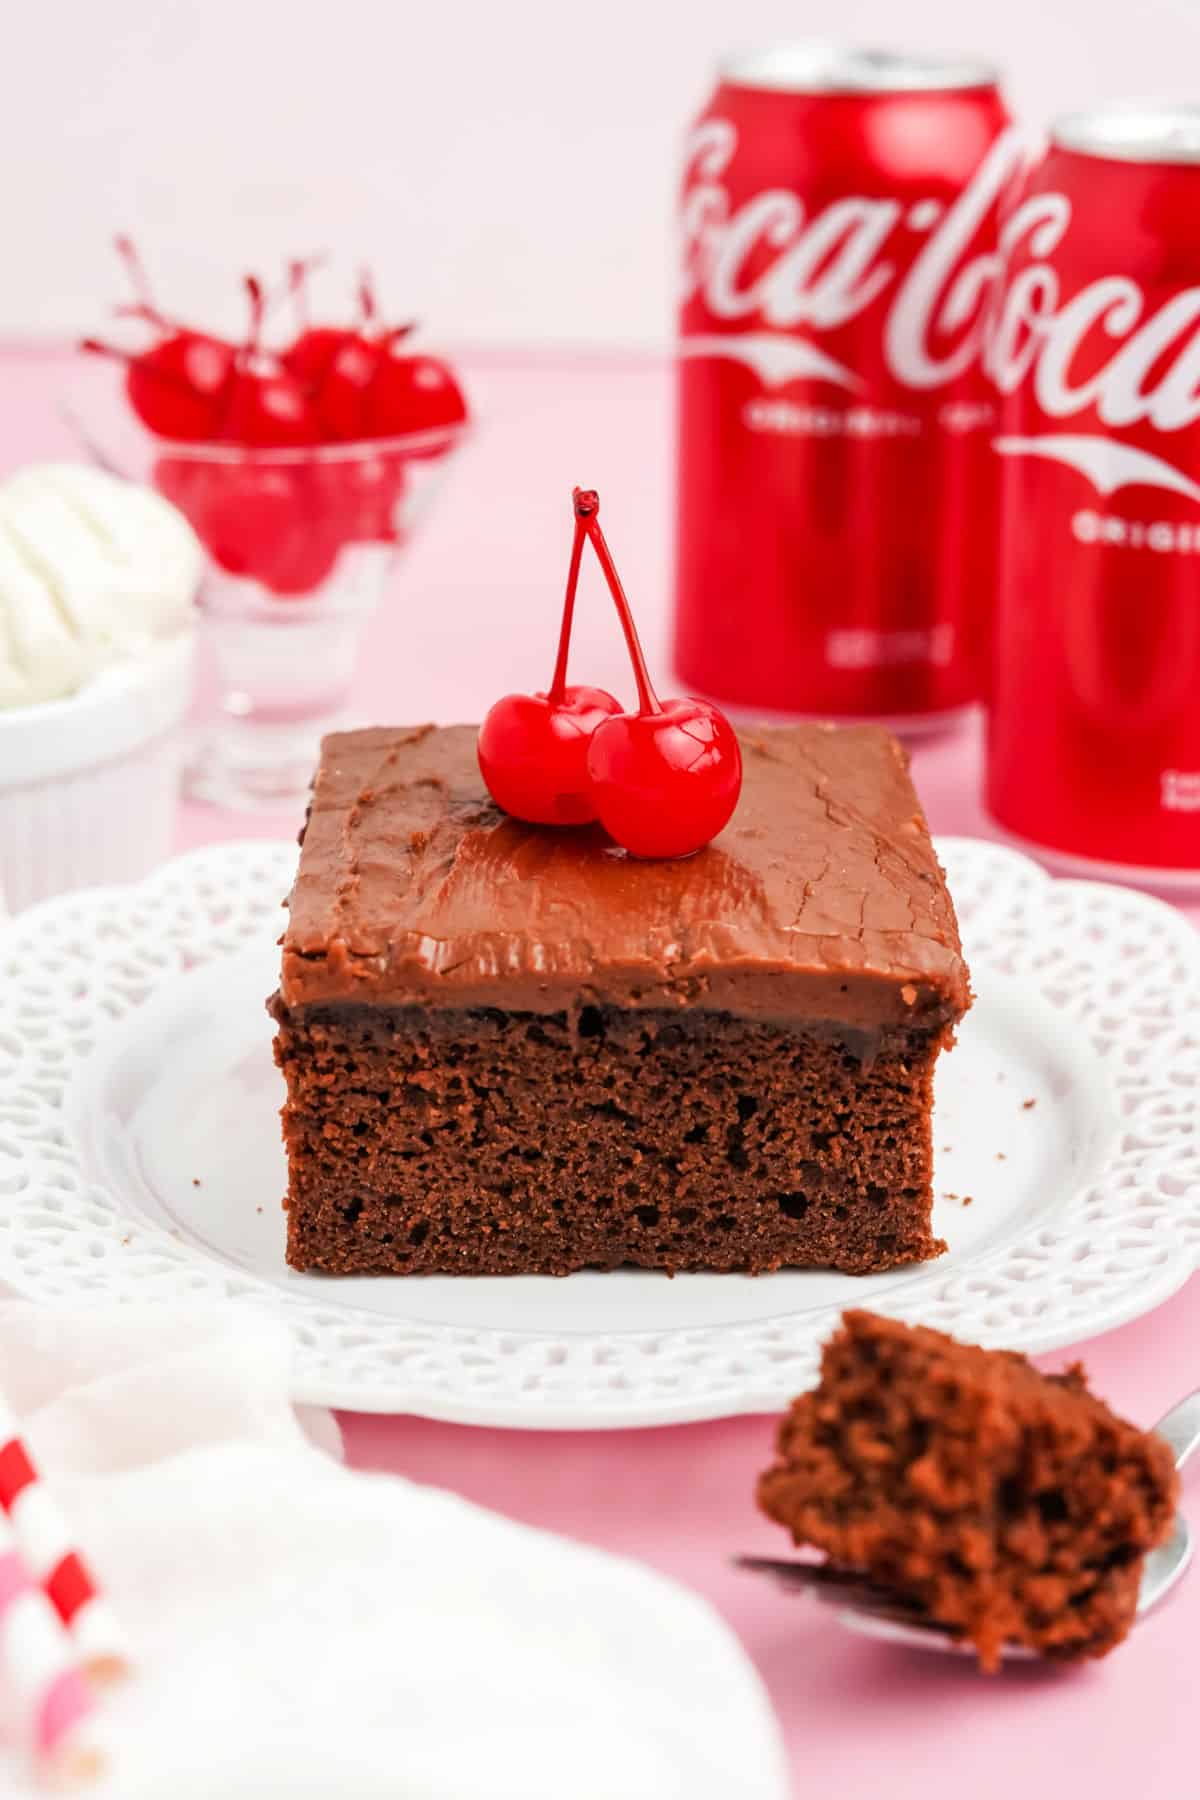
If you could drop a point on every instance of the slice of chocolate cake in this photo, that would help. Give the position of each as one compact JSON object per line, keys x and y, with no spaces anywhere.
{"x":1011,"y":1506}
{"x":514,"y":1049}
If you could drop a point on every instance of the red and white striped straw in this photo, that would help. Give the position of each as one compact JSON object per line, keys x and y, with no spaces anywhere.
{"x":44,"y":1687}
{"x":41,"y":1535}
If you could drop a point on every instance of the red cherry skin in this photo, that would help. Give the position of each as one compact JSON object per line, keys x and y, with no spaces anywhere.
{"x":342,"y":398}
{"x":664,"y":784}
{"x":183,"y":481}
{"x":179,"y":388}
{"x":256,"y":521}
{"x":309,"y":562}
{"x":310,"y":355}
{"x":533,"y":754}
{"x":411,"y":393}
{"x":262,"y":525}
{"x":269,"y":410}
{"x":365,"y":496}
{"x":359,"y":497}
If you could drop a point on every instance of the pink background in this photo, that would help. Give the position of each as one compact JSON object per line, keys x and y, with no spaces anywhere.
{"x":473,"y":614}
{"x":508,"y":170}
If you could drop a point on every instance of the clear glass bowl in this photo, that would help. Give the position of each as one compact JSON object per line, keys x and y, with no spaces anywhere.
{"x":300,"y":546}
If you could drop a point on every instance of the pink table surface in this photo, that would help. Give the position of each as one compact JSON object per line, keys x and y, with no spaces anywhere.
{"x":473,"y":614}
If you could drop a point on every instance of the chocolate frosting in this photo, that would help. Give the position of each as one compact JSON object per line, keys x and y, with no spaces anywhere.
{"x":822,"y":900}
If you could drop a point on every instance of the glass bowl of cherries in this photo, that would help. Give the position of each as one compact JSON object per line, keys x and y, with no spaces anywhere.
{"x":304,"y":467}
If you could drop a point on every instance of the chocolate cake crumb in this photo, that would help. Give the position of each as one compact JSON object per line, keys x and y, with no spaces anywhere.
{"x":496,"y":1144}
{"x":1008,"y":1505}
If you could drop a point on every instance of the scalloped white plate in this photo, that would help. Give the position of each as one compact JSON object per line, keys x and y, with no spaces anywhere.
{"x":140,"y":1159}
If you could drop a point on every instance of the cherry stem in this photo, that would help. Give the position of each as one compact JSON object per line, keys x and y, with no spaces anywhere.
{"x":258,"y":308}
{"x":139,"y":280}
{"x":368,"y":306}
{"x":298,"y":272}
{"x":558,"y":686}
{"x":587,"y":508}
{"x":138,"y":309}
{"x":168,"y":377}
{"x":97,"y":347}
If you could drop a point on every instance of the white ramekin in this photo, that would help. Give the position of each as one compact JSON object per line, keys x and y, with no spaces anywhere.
{"x":89,"y":785}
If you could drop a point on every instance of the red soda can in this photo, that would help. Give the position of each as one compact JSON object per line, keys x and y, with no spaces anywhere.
{"x":836,"y":485}
{"x":1094,"y":737}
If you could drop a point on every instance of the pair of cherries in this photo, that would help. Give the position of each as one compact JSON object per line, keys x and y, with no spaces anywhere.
{"x":662,"y":781}
{"x":329,"y":385}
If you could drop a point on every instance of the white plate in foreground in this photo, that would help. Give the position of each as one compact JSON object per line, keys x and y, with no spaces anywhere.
{"x":140,"y":1159}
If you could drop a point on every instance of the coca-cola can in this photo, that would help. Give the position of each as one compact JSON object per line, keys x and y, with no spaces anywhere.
{"x":1094,"y":736}
{"x":836,"y":486}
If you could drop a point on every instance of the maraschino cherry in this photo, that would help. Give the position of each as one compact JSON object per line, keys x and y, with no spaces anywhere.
{"x":337,"y":363}
{"x":363,"y":383}
{"x":411,"y":393}
{"x":314,"y":346}
{"x":533,"y":748}
{"x":256,"y":519}
{"x":666,"y":779}
{"x":268,"y":407}
{"x":179,"y":388}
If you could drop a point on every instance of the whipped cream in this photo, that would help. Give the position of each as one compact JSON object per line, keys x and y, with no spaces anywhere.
{"x":93,"y":571}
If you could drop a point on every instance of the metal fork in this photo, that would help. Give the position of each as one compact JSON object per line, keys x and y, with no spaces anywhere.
{"x":862,"y":1605}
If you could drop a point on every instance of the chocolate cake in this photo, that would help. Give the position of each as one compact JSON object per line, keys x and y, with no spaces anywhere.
{"x":1009,"y":1505}
{"x":512,"y":1049}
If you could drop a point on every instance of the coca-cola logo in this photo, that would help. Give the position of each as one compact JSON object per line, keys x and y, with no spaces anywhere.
{"x":1152,"y":377}
{"x":827,"y":269}
{"x":800,"y":277}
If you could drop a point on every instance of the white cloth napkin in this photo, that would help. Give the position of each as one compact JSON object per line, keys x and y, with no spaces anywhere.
{"x":302,"y":1630}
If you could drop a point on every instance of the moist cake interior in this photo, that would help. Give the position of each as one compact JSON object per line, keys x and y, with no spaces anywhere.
{"x":516,"y":1142}
{"x":1010,"y":1505}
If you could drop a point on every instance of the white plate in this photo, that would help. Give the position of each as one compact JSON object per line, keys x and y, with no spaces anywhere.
{"x":140,"y":1159}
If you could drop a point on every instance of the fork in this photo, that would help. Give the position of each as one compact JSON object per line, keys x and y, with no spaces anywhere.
{"x":861,"y":1605}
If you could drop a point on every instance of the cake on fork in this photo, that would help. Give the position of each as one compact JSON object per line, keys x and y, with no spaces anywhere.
{"x":513,"y":1049}
{"x":1006,"y":1505}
